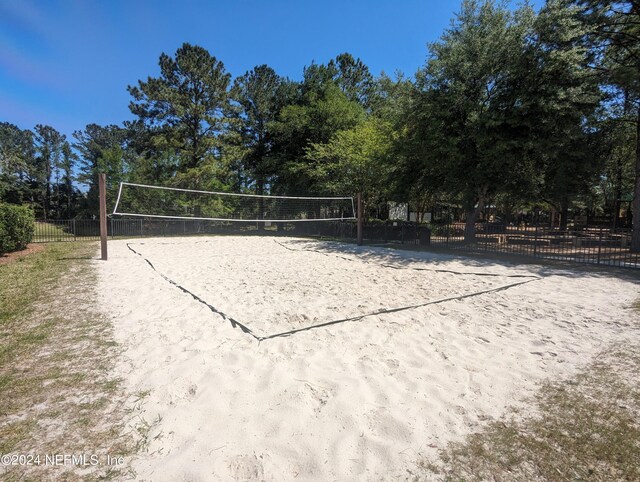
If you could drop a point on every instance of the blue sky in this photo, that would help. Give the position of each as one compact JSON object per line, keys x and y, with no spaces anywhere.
{"x":68,"y":63}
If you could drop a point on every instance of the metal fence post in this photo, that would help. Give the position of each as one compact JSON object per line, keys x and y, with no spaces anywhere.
{"x":599,"y":244}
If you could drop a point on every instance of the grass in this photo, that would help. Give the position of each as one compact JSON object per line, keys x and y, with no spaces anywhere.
{"x":51,"y":232}
{"x":57,"y":394}
{"x":586,"y":428}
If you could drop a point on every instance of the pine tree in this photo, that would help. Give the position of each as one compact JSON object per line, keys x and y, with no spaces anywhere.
{"x":185,"y":108}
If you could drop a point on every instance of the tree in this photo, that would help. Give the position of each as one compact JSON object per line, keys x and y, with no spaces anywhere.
{"x":317,"y":115}
{"x":185,"y":107}
{"x":16,"y":157}
{"x":464,"y":127}
{"x":69,"y":195}
{"x":357,"y":160}
{"x":613,"y":34}
{"x":392,"y":98}
{"x":563,"y":97}
{"x":349,"y":74}
{"x":101,"y":149}
{"x":260,"y":95}
{"x":617,"y":180}
{"x":48,"y":145}
{"x":406,"y":181}
{"x":353,"y":78}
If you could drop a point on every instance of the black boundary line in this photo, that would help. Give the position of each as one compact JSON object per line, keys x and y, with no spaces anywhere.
{"x":395,"y":310}
{"x":435,"y":270}
{"x":247,"y":330}
{"x":234,"y":323}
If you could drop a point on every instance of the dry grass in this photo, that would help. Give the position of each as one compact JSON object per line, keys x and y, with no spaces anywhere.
{"x":57,"y":395}
{"x":586,"y":428}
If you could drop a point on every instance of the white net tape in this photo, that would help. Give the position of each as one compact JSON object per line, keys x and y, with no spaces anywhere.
{"x":172,"y":203}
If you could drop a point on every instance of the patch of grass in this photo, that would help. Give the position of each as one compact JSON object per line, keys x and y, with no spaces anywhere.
{"x":57,"y":394}
{"x":51,"y":232}
{"x":585,"y":428}
{"x":12,"y":434}
{"x":24,"y":281}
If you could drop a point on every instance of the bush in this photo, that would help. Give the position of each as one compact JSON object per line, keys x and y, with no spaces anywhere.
{"x":17,"y":224}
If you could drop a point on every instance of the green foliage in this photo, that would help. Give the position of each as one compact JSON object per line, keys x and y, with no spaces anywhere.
{"x":506,"y":107}
{"x":618,"y":173}
{"x":392,"y":98}
{"x":260,"y":95}
{"x":356,"y":160}
{"x":512,"y":108}
{"x":36,"y":168}
{"x":353,"y":78}
{"x":318,"y":115}
{"x":16,"y":157}
{"x":101,"y":149}
{"x":184,"y":109}
{"x":16,"y":227}
{"x":566,"y":97}
{"x":612,"y":33}
{"x":347,"y":73}
{"x":47,"y":166}
{"x":464,"y":124}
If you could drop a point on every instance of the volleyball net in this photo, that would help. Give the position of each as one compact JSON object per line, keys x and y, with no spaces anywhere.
{"x":147,"y":201}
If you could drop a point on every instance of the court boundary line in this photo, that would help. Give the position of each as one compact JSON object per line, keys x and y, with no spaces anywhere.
{"x":245,"y":329}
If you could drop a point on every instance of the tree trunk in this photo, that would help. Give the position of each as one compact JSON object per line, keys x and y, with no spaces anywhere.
{"x":617,"y":192}
{"x":616,"y":213}
{"x":564,"y":215}
{"x":472,"y":217}
{"x":635,"y":235}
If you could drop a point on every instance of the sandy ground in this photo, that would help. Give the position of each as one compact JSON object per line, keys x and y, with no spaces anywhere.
{"x":362,"y":399}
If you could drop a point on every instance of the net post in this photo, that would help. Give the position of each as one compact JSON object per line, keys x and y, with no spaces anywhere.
{"x":360,"y":218}
{"x":102,"y":189}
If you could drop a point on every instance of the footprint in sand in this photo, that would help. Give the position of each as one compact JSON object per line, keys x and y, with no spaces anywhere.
{"x":392,"y":364}
{"x":182,"y":390}
{"x":246,"y":467}
{"x":319,"y":395}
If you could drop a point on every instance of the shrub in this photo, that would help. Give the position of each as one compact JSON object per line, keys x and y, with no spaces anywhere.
{"x":16,"y":227}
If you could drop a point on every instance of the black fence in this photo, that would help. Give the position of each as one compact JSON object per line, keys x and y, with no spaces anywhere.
{"x":89,"y":229}
{"x":598,"y":245}
{"x":592,"y":245}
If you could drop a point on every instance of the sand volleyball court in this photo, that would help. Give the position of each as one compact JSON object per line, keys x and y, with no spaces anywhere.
{"x":261,"y":358}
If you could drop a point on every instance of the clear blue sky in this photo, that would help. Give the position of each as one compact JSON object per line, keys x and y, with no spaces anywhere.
{"x":68,"y":63}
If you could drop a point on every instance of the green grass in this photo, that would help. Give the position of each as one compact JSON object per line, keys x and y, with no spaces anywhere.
{"x":585,"y":428}
{"x":23,"y":281}
{"x":57,"y":394}
{"x":50,"y":232}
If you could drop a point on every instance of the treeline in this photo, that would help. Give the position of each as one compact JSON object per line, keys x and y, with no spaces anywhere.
{"x":513,"y":108}
{"x":36,"y":168}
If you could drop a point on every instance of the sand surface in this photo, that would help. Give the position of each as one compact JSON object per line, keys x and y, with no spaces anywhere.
{"x":362,"y":399}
